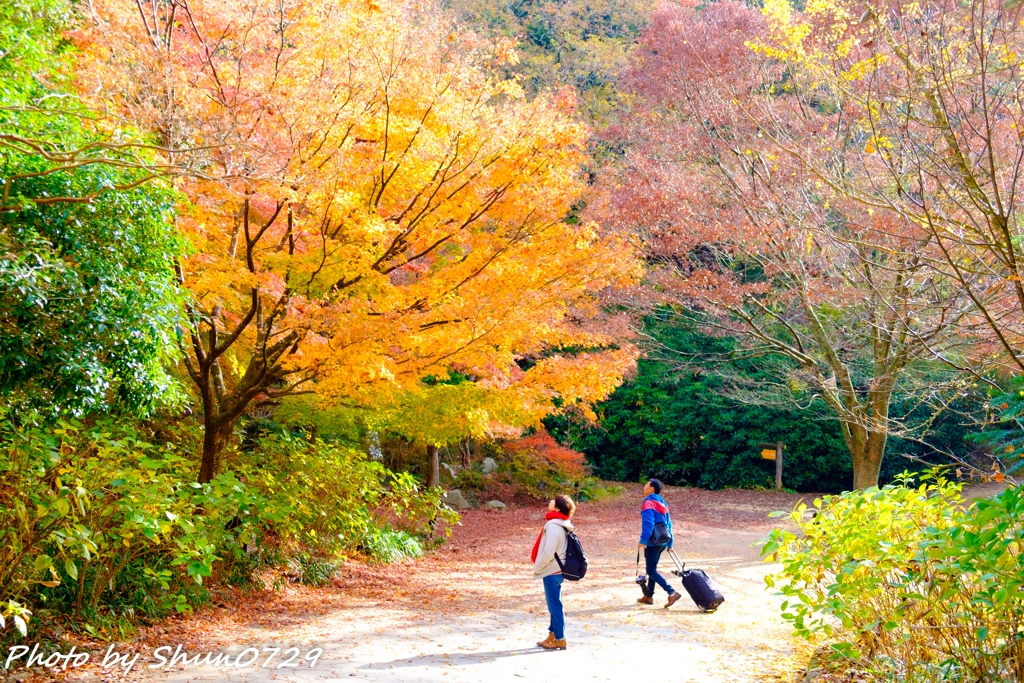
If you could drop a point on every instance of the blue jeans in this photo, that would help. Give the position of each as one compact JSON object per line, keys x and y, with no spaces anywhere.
{"x":652,"y":554}
{"x":553,"y":594}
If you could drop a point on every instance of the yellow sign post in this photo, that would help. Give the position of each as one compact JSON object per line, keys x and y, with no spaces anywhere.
{"x":773,"y":451}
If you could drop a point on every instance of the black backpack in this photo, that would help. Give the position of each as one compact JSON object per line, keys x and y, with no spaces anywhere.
{"x":575,"y":566}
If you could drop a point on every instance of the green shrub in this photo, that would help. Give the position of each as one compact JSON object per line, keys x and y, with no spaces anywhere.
{"x":911,"y":583}
{"x":99,"y":524}
{"x":592,"y":489}
{"x":312,"y":570}
{"x":88,"y":300}
{"x":469,"y":480}
{"x":243,"y":570}
{"x":333,"y":493}
{"x":388,"y":545}
{"x":91,"y":516}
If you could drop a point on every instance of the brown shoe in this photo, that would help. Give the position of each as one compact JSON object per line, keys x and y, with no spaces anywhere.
{"x":554,"y":644}
{"x":645,"y":600}
{"x":543,"y":643}
{"x":672,"y":599}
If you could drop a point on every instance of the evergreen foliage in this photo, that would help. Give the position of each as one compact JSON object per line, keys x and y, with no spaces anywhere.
{"x":682,"y":427}
{"x":580,"y":45}
{"x":87,"y":294}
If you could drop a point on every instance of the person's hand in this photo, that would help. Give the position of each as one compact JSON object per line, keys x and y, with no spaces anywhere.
{"x":642,"y":545}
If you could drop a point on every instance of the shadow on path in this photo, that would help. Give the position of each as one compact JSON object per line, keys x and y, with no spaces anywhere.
{"x":458,"y":658}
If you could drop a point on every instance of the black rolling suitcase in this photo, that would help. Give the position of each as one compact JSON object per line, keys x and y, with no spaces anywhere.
{"x":698,"y":584}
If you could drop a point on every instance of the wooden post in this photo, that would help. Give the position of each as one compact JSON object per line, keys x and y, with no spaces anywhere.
{"x":773,"y":451}
{"x":778,"y":465}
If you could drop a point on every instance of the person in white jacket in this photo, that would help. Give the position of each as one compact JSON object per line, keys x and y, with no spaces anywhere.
{"x":552,"y":541}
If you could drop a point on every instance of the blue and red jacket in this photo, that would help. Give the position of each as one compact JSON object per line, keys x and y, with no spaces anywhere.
{"x":654,"y":510}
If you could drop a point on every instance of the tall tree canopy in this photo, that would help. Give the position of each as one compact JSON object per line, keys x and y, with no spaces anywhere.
{"x":933,"y":119}
{"x":366,"y":207}
{"x":757,"y":247}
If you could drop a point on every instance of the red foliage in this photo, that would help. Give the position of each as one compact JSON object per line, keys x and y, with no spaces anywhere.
{"x":565,"y":460}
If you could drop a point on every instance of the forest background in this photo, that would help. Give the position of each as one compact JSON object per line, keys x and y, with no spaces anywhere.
{"x":274,"y":278}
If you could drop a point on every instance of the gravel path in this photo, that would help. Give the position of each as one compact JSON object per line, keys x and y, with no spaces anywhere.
{"x":471,"y":611}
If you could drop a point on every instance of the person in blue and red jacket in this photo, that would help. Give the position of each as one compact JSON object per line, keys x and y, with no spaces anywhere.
{"x":654,"y":511}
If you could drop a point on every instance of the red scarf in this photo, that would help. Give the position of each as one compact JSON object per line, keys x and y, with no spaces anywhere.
{"x":536,"y":546}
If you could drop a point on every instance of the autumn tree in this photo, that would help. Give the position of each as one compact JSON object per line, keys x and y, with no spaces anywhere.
{"x":933,"y":138}
{"x":494,"y":405}
{"x":371,"y":209}
{"x":753,"y":245}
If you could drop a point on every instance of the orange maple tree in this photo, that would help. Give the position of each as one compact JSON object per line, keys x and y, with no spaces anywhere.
{"x":366,"y":206}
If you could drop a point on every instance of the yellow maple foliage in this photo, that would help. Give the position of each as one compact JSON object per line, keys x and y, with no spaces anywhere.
{"x":366,"y":207}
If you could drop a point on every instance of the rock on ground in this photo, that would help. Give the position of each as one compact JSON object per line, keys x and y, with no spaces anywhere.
{"x":455,"y":500}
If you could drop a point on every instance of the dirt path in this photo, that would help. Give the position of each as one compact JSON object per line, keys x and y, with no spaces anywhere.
{"x":471,"y":611}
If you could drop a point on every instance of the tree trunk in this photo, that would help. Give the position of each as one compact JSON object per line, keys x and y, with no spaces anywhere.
{"x":435,"y":467}
{"x":215,"y":438}
{"x":866,"y":450}
{"x":467,"y":455}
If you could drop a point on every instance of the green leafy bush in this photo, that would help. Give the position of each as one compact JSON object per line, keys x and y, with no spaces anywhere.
{"x":333,"y":493}
{"x":593,"y":489}
{"x":388,"y":545}
{"x":97,"y":523}
{"x":911,"y":583}
{"x":88,"y":299}
{"x":312,"y":570}
{"x":468,"y":480}
{"x":90,"y":514}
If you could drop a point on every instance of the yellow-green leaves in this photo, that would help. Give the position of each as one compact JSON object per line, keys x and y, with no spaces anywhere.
{"x":909,"y":573}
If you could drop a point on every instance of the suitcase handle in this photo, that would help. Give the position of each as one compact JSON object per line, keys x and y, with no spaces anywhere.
{"x":679,"y":563}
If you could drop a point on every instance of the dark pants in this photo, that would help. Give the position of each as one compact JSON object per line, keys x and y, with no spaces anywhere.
{"x":652,"y":554}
